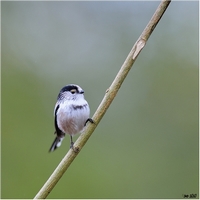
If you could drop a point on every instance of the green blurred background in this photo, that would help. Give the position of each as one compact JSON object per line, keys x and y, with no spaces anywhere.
{"x":146,"y":146}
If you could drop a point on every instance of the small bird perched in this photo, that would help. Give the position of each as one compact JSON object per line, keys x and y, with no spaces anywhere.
{"x":71,"y":114}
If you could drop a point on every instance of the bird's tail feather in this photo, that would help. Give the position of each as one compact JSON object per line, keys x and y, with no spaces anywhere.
{"x":56,"y":143}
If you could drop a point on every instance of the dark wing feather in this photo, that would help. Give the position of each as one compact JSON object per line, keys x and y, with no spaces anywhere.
{"x":58,"y":131}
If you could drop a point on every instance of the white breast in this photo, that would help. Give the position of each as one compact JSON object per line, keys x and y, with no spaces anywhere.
{"x":72,"y":115}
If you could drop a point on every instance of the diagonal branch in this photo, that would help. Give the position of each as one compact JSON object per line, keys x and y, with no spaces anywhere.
{"x":104,"y":105}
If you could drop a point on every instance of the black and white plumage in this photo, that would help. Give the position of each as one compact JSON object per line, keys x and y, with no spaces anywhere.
{"x":71,"y":114}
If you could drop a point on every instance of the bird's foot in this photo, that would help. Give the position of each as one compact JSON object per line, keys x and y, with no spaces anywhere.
{"x":89,"y":120}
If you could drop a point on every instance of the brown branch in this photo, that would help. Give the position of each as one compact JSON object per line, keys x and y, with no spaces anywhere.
{"x":107,"y":100}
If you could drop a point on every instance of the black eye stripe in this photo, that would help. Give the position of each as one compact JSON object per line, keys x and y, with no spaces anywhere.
{"x":69,"y":88}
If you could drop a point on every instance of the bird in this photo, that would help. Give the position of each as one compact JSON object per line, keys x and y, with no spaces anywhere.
{"x":71,"y":114}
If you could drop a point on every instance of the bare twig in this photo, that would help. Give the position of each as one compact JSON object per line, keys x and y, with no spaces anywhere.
{"x":107,"y":100}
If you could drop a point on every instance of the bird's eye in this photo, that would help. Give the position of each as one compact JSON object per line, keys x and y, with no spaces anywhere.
{"x":73,"y":91}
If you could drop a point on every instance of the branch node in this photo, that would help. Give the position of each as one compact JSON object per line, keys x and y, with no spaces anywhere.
{"x":76,"y":149}
{"x":139,"y":46}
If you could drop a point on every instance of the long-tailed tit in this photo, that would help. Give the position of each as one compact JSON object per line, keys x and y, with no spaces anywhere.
{"x":71,"y":114}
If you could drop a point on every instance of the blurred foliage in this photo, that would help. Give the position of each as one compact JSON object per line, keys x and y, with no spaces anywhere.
{"x":146,"y":146}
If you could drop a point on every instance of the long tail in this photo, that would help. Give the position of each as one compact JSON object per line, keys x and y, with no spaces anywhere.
{"x":56,"y":143}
